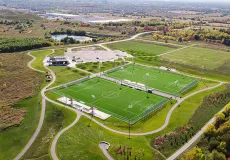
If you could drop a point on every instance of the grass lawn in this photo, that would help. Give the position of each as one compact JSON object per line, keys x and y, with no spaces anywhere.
{"x":164,"y":81}
{"x":199,"y":57}
{"x":154,"y":120}
{"x":182,"y":114}
{"x":94,"y":66}
{"x":55,"y":119}
{"x":77,"y":138}
{"x":59,"y":52}
{"x":151,"y":122}
{"x":14,"y":139}
{"x":114,"y":99}
{"x":40,"y":55}
{"x":66,"y":74}
{"x":140,"y":48}
{"x":81,"y":142}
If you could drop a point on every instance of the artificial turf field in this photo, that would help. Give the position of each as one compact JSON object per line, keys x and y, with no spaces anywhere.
{"x":161,"y":80}
{"x":114,"y":99}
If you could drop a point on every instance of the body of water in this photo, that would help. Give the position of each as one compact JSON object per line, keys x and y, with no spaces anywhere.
{"x":58,"y":37}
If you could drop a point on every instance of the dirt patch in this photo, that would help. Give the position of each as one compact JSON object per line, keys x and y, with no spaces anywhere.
{"x":17,"y":82}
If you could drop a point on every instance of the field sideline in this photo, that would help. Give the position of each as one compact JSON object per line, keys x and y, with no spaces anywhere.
{"x":122,"y":102}
{"x":164,"y":81}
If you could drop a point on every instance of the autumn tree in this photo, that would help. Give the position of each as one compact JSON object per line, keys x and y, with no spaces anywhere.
{"x":195,"y":154}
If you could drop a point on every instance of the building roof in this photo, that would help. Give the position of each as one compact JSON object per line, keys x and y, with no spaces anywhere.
{"x":58,"y":59}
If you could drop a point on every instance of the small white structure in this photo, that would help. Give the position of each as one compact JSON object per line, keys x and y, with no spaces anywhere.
{"x":168,"y":69}
{"x":82,"y":107}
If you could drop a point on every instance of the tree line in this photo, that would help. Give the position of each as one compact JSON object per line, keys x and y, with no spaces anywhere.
{"x":21,"y":44}
{"x":69,"y":32}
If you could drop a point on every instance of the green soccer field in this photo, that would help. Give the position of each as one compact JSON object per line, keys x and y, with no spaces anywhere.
{"x":114,"y":99}
{"x":164,"y":81}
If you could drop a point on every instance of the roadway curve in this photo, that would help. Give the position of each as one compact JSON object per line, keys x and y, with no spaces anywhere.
{"x":41,"y":120}
{"x":53,"y":146}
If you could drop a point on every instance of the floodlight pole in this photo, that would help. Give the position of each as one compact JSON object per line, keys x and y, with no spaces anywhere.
{"x":133,"y":62}
{"x":121,"y":80}
{"x":129,"y":127}
{"x":130,"y":106}
{"x":93,"y":97}
{"x":100,"y":63}
{"x":147,"y":79}
{"x":65,"y":95}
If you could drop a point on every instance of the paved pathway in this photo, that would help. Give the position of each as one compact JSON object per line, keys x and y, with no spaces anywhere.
{"x":193,"y":140}
{"x":32,"y":139}
{"x":53,"y":151}
{"x":104,"y":47}
{"x":54,"y":143}
{"x":101,"y":44}
{"x":104,"y":148}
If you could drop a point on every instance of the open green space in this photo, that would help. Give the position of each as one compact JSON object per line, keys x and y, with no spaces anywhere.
{"x":69,"y":141}
{"x":140,"y":48}
{"x":95,"y":68}
{"x":66,"y":74}
{"x":199,"y":57}
{"x":81,"y":142}
{"x":181,"y":116}
{"x":40,"y":55}
{"x":152,"y":121}
{"x":15,"y":138}
{"x":59,"y":52}
{"x":56,"y":118}
{"x":164,"y":81}
{"x":121,"y":102}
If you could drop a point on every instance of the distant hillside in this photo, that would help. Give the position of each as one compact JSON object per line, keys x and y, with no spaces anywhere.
{"x":17,"y":15}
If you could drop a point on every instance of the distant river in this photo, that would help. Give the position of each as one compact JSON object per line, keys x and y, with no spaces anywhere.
{"x":58,"y":37}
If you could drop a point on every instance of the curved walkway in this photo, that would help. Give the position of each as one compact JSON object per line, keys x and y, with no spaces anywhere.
{"x":79,"y":114}
{"x":167,"y":118}
{"x":54,"y":143}
{"x":32,"y":139}
{"x":193,"y":140}
{"x":53,"y":147}
{"x":104,"y":148}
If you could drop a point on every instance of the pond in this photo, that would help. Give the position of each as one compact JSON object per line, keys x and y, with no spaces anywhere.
{"x":58,"y":37}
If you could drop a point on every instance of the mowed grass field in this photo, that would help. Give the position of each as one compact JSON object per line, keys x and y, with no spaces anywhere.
{"x":114,"y":99}
{"x":199,"y":57}
{"x":140,"y":48}
{"x":164,"y":81}
{"x":40,"y":55}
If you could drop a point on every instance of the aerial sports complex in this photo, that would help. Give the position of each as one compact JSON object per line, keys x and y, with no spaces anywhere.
{"x":129,"y":93}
